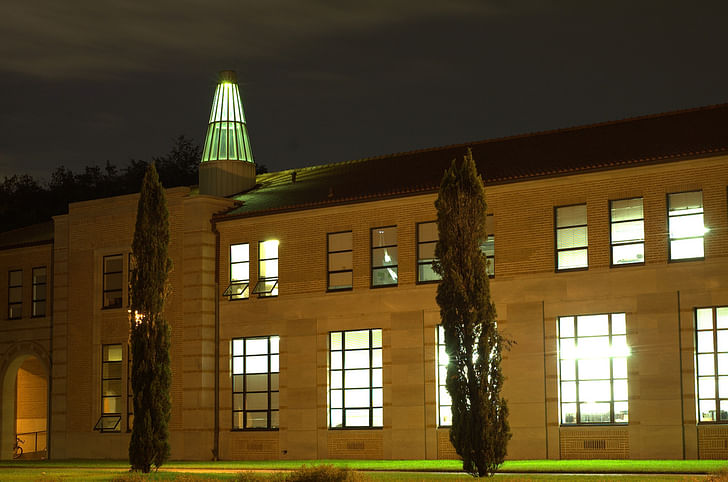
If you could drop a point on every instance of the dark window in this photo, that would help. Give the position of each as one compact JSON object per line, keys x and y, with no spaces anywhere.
{"x":340,"y":262}
{"x":238,"y":288}
{"x":711,"y":341}
{"x":355,"y":379}
{"x":593,"y":355}
{"x":627,"y":232}
{"x":685,"y":217}
{"x":384,"y":256}
{"x":571,"y":237}
{"x":255,"y":382}
{"x":267,"y":284}
{"x":426,"y":243}
{"x":39,"y":291}
{"x":110,"y":420}
{"x":113,"y":281}
{"x":15,"y":294}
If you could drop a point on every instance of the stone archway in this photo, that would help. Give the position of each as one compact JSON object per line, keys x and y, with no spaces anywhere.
{"x":24,"y":376}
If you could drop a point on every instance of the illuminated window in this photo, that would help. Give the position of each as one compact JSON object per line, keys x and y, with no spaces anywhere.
{"x":444,"y":402}
{"x":255,"y":382}
{"x":571,"y":237}
{"x":267,"y":284}
{"x":593,"y":355}
{"x":238,"y":288}
{"x":628,"y":231}
{"x":384,"y":256}
{"x":712,"y":363}
{"x":340,"y":262}
{"x":355,"y":379}
{"x":39,"y":291}
{"x":685,"y":215}
{"x":426,"y":242}
{"x":113,"y":281}
{"x":110,"y":420}
{"x":488,"y":246}
{"x":15,"y":294}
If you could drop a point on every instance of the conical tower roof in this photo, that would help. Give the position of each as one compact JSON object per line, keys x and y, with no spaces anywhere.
{"x":227,"y":135}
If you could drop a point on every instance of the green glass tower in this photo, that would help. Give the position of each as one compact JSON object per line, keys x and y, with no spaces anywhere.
{"x":227,"y":165}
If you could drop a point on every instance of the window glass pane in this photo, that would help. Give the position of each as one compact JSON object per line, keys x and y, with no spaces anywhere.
{"x":568,"y":413}
{"x":336,"y":379}
{"x":619,"y":367}
{"x":722,"y":317}
{"x":704,"y":318}
{"x":340,"y":241}
{"x":594,"y":347}
{"x":274,"y":364}
{"x":568,"y":391}
{"x":336,"y":418}
{"x":706,"y":387}
{"x":340,"y":261}
{"x":571,"y":238}
{"x":723,"y":387}
{"x":337,"y":399}
{"x":39,"y":275}
{"x":445,"y":398}
{"x":357,"y":418}
{"x":706,"y":367}
{"x":722,"y":340}
{"x":356,"y":378}
{"x":256,"y":346}
{"x":566,"y":326}
{"x":274,"y":344}
{"x":707,"y":410}
{"x":619,"y":324}
{"x":620,"y":412}
{"x":112,"y":353}
{"x":592,"y":325}
{"x":268,"y":249}
{"x":571,"y":215}
{"x":340,"y":280}
{"x":376,"y":338}
{"x":239,"y":252}
{"x":384,"y":256}
{"x":269,"y":269}
{"x":240,"y":272}
{"x":685,"y":202}
{"x":595,"y":412}
{"x":629,"y":253}
{"x":384,"y":236}
{"x":237,"y":383}
{"x":686,"y":248}
{"x":595,"y":390}
{"x":356,"y":398}
{"x":592,"y":368}
{"x":568,"y":370}
{"x":113,"y":263}
{"x":256,"y":420}
{"x":723,"y":363}
{"x":256,"y":364}
{"x":426,"y":252}
{"x":626,"y":209}
{"x":15,"y":278}
{"x":357,"y":359}
{"x":354,"y":340}
{"x":256,"y":401}
{"x":705,"y":342}
{"x":15,"y":295}
{"x":113,"y":281}
{"x":377,"y":417}
{"x":427,"y":232}
{"x":377,"y":397}
{"x":687,"y":226}
{"x":384,"y":276}
{"x":628,"y":231}
{"x":426,"y":273}
{"x":256,"y":383}
{"x":445,"y":416}
{"x":238,"y":347}
{"x":573,"y":259}
{"x":620,"y":390}
{"x":336,"y":363}
{"x":335,"y":338}
{"x":377,"y":358}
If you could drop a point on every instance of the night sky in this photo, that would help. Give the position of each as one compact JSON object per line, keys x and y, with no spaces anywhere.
{"x":88,"y":81}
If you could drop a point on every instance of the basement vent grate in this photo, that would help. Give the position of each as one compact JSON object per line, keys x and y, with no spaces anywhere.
{"x":595,"y":444}
{"x":355,"y":445}
{"x":255,"y":447}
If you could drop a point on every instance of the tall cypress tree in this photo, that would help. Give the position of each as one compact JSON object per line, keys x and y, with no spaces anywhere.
{"x":149,"y":331}
{"x":480,"y":430}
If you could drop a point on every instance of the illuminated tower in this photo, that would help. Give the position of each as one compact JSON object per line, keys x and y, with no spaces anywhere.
{"x":227,"y":165}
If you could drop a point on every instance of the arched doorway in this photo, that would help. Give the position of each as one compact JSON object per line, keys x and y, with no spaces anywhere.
{"x":24,"y":403}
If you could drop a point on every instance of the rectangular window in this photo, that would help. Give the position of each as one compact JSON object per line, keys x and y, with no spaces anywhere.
{"x":571,"y":238}
{"x":255,"y":382}
{"x":488,"y":246}
{"x":267,"y":284}
{"x":593,"y":355}
{"x":238,"y":289}
{"x":129,"y":392}
{"x":15,"y":294}
{"x":627,"y":233}
{"x":711,"y":341}
{"x":355,"y":379}
{"x":685,"y":217}
{"x":113,"y":281}
{"x":340,"y":261}
{"x":444,"y":402}
{"x":426,"y":243}
{"x":110,"y":420}
{"x":384,"y":256}
{"x":39,"y":291}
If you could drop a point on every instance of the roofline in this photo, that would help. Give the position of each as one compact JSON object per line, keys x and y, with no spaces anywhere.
{"x":26,"y":245}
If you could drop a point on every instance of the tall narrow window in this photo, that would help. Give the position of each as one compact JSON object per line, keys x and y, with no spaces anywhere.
{"x":488,"y":246}
{"x":238,"y":288}
{"x":685,"y":215}
{"x":110,"y":420}
{"x":355,"y":379}
{"x":39,"y":291}
{"x":113,"y":281}
{"x":444,"y":402}
{"x":628,"y":231}
{"x":593,"y":355}
{"x":712,"y":363}
{"x":129,"y":392}
{"x":426,"y":243}
{"x":384,"y":256}
{"x":340,"y":261}
{"x":15,"y":294}
{"x":255,"y":382}
{"x":267,"y":284}
{"x":571,"y":237}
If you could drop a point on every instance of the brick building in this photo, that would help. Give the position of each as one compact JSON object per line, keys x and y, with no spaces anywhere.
{"x":303,"y":313}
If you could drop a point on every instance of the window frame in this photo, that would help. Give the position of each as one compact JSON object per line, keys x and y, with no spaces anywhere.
{"x":234,"y":283}
{"x":670,"y":239}
{"x":329,"y":272}
{"x":273,"y":291}
{"x":556,"y":238}
{"x":114,"y":416}
{"x":11,"y":286}
{"x":716,"y":369}
{"x":441,"y":383}
{"x":243,"y":392}
{"x":371,"y":255}
{"x":104,"y":290}
{"x":613,"y":244}
{"x":489,"y":237}
{"x":34,"y":300}
{"x":371,"y":387}
{"x":576,"y":380}
{"x":418,"y":260}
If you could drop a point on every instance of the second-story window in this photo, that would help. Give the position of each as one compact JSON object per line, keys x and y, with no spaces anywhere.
{"x":571,"y":237}
{"x":113,"y":281}
{"x":426,"y":243}
{"x":340,"y":261}
{"x":238,"y":288}
{"x":685,"y":216}
{"x":384,"y":256}
{"x":15,"y":294}
{"x":488,"y":246}
{"x":267,"y":284}
{"x":627,"y":232}
{"x":39,"y":291}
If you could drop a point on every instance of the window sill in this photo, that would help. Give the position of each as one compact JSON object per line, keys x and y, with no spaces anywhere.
{"x":627,"y":265}
{"x":337,"y":290}
{"x":355,"y":428}
{"x":683,"y":260}
{"x":593,"y":424}
{"x":255,"y":429}
{"x":569,"y":270}
{"x":374,"y":287}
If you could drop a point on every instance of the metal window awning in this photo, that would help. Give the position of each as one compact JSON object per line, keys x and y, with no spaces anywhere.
{"x":265,"y":286}
{"x":236,"y":288}
{"x":108,"y":423}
